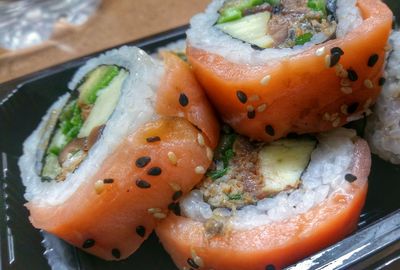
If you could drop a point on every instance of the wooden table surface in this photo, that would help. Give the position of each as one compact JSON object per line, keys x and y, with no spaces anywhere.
{"x":115,"y":22}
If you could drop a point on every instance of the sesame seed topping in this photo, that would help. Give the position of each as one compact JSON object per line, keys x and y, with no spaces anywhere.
{"x":262,"y":107}
{"x":345,"y":82}
{"x":241,"y":96}
{"x":177,"y":195}
{"x":99,"y":186}
{"x":192,"y":263}
{"x":142,"y":161}
{"x":200,"y":170}
{"x":381,"y":81}
{"x":327,"y":61}
{"x":116,"y":253}
{"x":141,"y":230}
{"x":175,"y":208}
{"x":350,"y":178}
{"x":320,"y":51}
{"x":250,"y":108}
{"x":200,"y":139}
{"x":254,"y":98}
{"x":334,"y":59}
{"x":251,"y":114}
{"x":175,"y":186}
{"x":88,"y":243}
{"x":340,"y":71}
{"x":336,"y":122}
{"x":326,"y":116}
{"x":269,"y":130}
{"x":154,"y":210}
{"x":108,"y":181}
{"x":344,"y":109}
{"x":159,"y":215}
{"x":172,"y":158}
{"x":198,"y":261}
{"x":209,"y":153}
{"x":346,"y":90}
{"x":352,"y":75}
{"x":183,"y":100}
{"x":154,"y":171}
{"x":367,"y":103}
{"x":368,"y":84}
{"x":140,"y":183}
{"x":372,"y":60}
{"x":337,"y":50}
{"x":352,"y":108}
{"x":153,"y":139}
{"x":265,"y":80}
{"x":270,"y":267}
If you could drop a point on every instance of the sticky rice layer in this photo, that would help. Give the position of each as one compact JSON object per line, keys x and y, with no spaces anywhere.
{"x":134,"y":108}
{"x":203,"y":35}
{"x":325,"y":175}
{"x":383,"y":129}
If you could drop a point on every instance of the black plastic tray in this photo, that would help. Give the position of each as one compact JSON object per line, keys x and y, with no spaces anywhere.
{"x":23,"y":102}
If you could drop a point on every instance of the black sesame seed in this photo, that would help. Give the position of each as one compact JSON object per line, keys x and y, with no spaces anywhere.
{"x":372,"y":60}
{"x":141,"y":230}
{"x":251,"y":114}
{"x":142,"y":183}
{"x":142,"y":161}
{"x":350,"y":178}
{"x":337,"y":50}
{"x":269,"y":130}
{"x":381,"y":81}
{"x":154,"y":171}
{"x":270,"y":267}
{"x":183,"y":100}
{"x":153,"y":139}
{"x":241,"y":96}
{"x":352,"y":108}
{"x":88,"y":243}
{"x":175,"y":208}
{"x":191,"y":262}
{"x":335,"y":58}
{"x":116,"y":253}
{"x":177,"y":195}
{"x":108,"y":181}
{"x":352,"y":74}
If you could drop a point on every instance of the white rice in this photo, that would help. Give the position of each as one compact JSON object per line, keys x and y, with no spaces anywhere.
{"x":330,"y":162}
{"x":202,"y":34}
{"x":135,"y":107}
{"x":383,"y":129}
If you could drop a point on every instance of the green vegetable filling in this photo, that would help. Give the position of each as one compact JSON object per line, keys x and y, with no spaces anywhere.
{"x":235,"y":197}
{"x":233,"y":10}
{"x":317,"y":5}
{"x":304,"y":38}
{"x":224,"y":153}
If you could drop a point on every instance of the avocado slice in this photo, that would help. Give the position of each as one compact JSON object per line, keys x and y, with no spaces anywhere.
{"x":282,"y":163}
{"x":251,"y":29}
{"x":95,"y":81}
{"x":105,"y":104}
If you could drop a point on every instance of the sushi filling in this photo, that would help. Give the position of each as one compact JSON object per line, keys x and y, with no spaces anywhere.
{"x":278,"y":23}
{"x":80,"y":123}
{"x":251,"y":183}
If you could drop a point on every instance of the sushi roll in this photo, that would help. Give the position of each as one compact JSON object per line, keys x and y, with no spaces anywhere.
{"x":383,"y":130}
{"x":267,"y":205}
{"x":276,"y":67}
{"x":111,"y":157}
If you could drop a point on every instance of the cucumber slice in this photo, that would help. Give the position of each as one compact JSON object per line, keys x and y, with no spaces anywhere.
{"x":251,"y":29}
{"x":58,"y":142}
{"x":105,"y":104}
{"x":282,"y":163}
{"x":95,"y":81}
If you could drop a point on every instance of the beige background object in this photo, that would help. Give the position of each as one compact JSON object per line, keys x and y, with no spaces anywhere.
{"x":115,"y":22}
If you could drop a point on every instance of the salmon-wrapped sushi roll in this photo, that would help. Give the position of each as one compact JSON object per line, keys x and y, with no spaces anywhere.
{"x":276,"y":67}
{"x":110,"y":158}
{"x":267,"y":205}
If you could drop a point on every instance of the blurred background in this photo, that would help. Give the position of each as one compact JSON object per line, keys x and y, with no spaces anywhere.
{"x":37,"y":34}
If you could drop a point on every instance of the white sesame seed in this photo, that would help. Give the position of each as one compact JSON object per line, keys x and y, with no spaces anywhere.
{"x":336,"y":123}
{"x":320,"y":51}
{"x":367,"y":103}
{"x":209,"y":153}
{"x":262,"y":107}
{"x":99,"y":186}
{"x":172,"y":158}
{"x":368,"y":84}
{"x":326,"y":116}
{"x":344,"y":108}
{"x":199,"y":170}
{"x":200,"y":139}
{"x":340,"y":71}
{"x":154,"y":210}
{"x":345,"y":82}
{"x":265,"y":80}
{"x":159,"y":215}
{"x":328,"y":61}
{"x":250,"y":108}
{"x":175,"y":186}
{"x":346,"y":90}
{"x":196,"y":258}
{"x":334,"y":116}
{"x":254,"y":98}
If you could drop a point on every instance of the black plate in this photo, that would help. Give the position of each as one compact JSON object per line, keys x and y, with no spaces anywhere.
{"x":24,"y":101}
